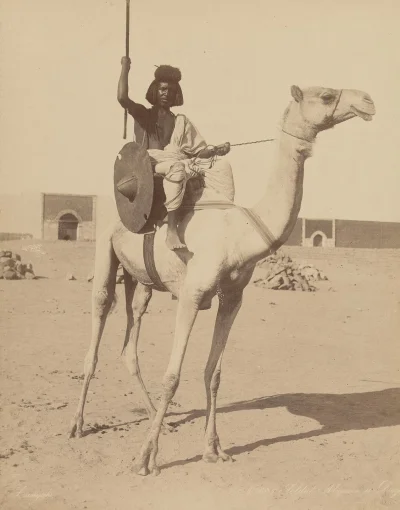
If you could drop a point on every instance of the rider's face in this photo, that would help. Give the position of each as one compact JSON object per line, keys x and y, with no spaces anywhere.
{"x":165,"y":94}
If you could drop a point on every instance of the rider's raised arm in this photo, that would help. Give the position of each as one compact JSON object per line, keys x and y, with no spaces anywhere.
{"x":136,"y":110}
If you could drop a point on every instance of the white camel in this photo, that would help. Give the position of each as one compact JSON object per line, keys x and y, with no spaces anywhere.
{"x":223,"y":249}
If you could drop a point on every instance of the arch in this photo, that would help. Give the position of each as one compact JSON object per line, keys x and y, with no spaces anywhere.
{"x":68,"y":211}
{"x":318,"y":239}
{"x":68,"y":226}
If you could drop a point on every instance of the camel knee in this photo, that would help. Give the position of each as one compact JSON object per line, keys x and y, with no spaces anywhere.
{"x":101,"y":302}
{"x":170,"y":385}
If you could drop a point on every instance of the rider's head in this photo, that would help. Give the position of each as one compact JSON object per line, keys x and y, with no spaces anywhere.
{"x":165,"y":89}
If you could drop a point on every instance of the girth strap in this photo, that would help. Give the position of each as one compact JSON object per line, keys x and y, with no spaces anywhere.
{"x":148,"y":257}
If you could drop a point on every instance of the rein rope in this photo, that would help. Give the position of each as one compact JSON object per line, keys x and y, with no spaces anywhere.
{"x":249,"y":143}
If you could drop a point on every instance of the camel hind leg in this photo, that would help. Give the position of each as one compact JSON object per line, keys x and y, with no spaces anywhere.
{"x":103,"y":295}
{"x":137,"y":299}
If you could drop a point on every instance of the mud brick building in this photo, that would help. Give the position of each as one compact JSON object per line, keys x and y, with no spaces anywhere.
{"x":68,"y":217}
{"x":345,"y":234}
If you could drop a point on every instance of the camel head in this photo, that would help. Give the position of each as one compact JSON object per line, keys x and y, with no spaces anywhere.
{"x":322,"y":108}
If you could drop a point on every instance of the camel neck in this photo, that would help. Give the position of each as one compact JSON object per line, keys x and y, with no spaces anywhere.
{"x":280,"y":206}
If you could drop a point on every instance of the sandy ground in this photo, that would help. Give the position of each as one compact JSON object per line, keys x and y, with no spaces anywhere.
{"x":309,"y":404}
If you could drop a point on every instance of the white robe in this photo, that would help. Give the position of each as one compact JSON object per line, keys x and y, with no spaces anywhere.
{"x":185,"y":143}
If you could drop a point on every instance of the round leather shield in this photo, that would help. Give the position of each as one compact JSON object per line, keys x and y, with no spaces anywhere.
{"x":133,"y":186}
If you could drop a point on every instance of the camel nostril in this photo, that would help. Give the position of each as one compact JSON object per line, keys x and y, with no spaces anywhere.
{"x":367,"y":98}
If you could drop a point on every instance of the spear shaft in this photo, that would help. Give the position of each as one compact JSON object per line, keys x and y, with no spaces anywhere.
{"x":127,"y":19}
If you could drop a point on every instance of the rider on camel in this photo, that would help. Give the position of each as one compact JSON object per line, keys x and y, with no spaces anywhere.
{"x":177,"y":150}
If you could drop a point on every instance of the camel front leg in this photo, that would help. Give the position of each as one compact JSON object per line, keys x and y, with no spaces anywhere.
{"x":186,"y":315}
{"x":229,"y":306}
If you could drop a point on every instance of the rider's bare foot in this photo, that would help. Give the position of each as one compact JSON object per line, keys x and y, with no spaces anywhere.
{"x":173,"y":242}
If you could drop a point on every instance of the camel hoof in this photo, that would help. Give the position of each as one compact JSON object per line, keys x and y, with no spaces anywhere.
{"x":225,"y":457}
{"x":141,"y":470}
{"x":222,"y":455}
{"x":210,"y":458}
{"x":75,"y":432}
{"x":155,"y":471}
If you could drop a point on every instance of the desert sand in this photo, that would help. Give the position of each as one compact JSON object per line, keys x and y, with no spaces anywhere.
{"x":309,"y":403}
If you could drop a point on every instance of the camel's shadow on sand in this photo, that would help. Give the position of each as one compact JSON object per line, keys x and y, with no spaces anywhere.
{"x":334,"y":412}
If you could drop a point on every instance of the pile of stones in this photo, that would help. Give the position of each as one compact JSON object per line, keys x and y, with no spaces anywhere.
{"x":282,"y":273}
{"x":12,"y":268}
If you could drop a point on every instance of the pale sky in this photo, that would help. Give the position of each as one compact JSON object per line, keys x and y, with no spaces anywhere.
{"x":61,"y":126}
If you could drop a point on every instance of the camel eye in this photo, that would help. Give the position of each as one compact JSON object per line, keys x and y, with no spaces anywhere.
{"x":327,"y":97}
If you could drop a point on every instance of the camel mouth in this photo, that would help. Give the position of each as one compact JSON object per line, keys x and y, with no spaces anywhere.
{"x":364,"y":115}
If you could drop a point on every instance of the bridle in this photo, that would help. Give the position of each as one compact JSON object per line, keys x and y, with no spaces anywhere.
{"x":295,"y":136}
{"x":331,"y":118}
{"x":337,"y":103}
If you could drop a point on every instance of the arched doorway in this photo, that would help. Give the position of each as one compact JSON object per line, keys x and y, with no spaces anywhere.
{"x":318,"y":241}
{"x":68,"y":227}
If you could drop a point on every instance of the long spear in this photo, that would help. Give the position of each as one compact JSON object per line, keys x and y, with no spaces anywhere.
{"x":127,"y":55}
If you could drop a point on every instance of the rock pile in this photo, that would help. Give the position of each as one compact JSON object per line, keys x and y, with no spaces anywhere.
{"x":282,"y":273}
{"x":11,"y":267}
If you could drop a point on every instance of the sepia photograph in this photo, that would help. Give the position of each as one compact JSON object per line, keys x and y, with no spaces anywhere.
{"x":199,"y":255}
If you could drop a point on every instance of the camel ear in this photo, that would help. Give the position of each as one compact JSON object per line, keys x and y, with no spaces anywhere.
{"x":297,"y":94}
